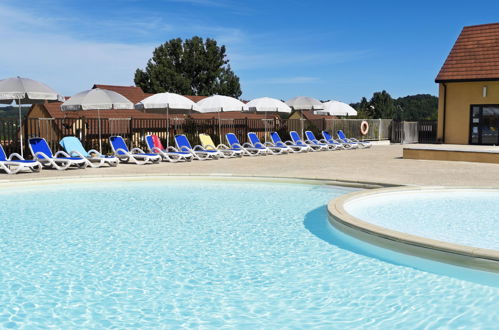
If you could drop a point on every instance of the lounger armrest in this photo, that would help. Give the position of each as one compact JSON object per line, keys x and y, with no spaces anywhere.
{"x":222,"y":146}
{"x":15,"y":155}
{"x":269,"y":144}
{"x":185,"y":149}
{"x":309,"y":142}
{"x":248,"y":145}
{"x":74,"y":152}
{"x":210,"y":147}
{"x":93,"y":151}
{"x":198,"y":147}
{"x":170,"y":148}
{"x":156,"y":150}
{"x":125,"y":152}
{"x":236,"y":145}
{"x":323,"y":141}
{"x":63,"y":153}
{"x":41,"y":155}
{"x":137,"y":151}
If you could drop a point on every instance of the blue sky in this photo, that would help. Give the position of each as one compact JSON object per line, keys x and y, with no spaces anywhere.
{"x":326,"y":49}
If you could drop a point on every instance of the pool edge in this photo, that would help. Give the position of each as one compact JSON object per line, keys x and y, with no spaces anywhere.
{"x":450,"y":253}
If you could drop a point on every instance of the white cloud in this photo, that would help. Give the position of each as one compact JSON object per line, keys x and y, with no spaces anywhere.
{"x":65,"y":63}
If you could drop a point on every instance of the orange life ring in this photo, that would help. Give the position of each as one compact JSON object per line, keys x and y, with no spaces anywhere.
{"x":364,"y":127}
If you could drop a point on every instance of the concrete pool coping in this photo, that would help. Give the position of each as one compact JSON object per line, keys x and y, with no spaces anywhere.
{"x":451,"y":253}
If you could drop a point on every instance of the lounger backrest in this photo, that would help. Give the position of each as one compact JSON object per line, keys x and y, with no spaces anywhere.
{"x":310,"y":136}
{"x":327,"y":136}
{"x":117,"y":142}
{"x":296,"y":138}
{"x":72,"y":143}
{"x":341,"y":135}
{"x":40,"y":145}
{"x":206,"y":141}
{"x":3,"y":156}
{"x":255,"y":140}
{"x":276,"y":139}
{"x":153,"y":141}
{"x":182,"y":142}
{"x":232,"y":140}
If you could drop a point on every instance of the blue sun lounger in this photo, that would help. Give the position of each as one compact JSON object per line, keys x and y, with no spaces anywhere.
{"x":136,"y":155}
{"x":277,"y":141}
{"x":340,"y":145}
{"x":311,"y":139}
{"x":247,"y":148}
{"x":169,"y":154}
{"x":297,"y":140}
{"x":15,"y":163}
{"x":198,"y":151}
{"x":267,"y":147}
{"x":60,"y":161}
{"x":361,"y":144}
{"x":72,"y":145}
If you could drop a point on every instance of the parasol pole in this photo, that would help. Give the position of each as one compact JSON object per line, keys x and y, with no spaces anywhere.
{"x":100,"y":132}
{"x":20,"y":127}
{"x":167,"y":126}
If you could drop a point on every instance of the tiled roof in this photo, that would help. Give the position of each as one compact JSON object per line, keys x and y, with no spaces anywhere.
{"x":230,"y":115}
{"x":54,"y":110}
{"x":195,"y":98}
{"x":475,"y":55}
{"x":308,"y":114}
{"x":133,"y":93}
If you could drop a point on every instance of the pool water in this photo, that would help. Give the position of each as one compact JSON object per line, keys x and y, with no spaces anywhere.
{"x":467,"y":217}
{"x":208,"y":254}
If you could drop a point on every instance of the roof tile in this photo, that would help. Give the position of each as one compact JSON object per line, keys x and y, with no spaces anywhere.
{"x":474,"y":56}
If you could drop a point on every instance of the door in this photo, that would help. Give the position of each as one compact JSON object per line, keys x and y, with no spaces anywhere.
{"x":484,"y":124}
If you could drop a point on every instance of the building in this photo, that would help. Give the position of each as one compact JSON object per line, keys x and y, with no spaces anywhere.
{"x":468,"y":108}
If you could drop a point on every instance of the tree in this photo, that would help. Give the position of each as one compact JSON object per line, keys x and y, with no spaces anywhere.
{"x":190,"y":67}
{"x":382,"y":105}
{"x":411,"y":107}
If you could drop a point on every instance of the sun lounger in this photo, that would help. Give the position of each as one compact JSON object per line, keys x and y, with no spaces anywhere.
{"x":247,"y":148}
{"x":198,"y":151}
{"x":60,"y":161}
{"x":268,"y":147}
{"x":339,"y":145}
{"x":276,"y":139}
{"x":297,"y":140}
{"x":72,"y":145}
{"x":224,"y":150}
{"x":361,"y":144}
{"x":15,"y":163}
{"x":170,"y":154}
{"x":311,"y":139}
{"x":136,"y":155}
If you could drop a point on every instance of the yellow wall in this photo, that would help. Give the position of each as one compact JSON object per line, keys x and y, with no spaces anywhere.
{"x":460,"y":96}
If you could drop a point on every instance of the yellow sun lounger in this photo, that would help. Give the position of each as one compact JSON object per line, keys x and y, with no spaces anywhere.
{"x":224,"y":150}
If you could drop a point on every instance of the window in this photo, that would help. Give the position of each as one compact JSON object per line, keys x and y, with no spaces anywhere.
{"x":484,"y":124}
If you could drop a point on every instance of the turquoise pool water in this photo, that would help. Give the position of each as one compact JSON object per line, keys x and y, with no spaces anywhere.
{"x":467,"y":217}
{"x":208,"y":254}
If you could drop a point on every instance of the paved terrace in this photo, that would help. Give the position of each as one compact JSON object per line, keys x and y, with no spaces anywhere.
{"x":380,"y":164}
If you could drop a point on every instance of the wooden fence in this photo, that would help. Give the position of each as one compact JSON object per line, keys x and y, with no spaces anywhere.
{"x":92,"y":130}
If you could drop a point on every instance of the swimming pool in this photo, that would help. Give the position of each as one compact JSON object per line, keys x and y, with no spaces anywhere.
{"x":461,"y":216}
{"x":187,"y":253}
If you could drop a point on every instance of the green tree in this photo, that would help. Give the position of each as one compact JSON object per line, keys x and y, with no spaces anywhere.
{"x":417,"y":107}
{"x":382,"y":105}
{"x":193,"y":66}
{"x":363,"y":109}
